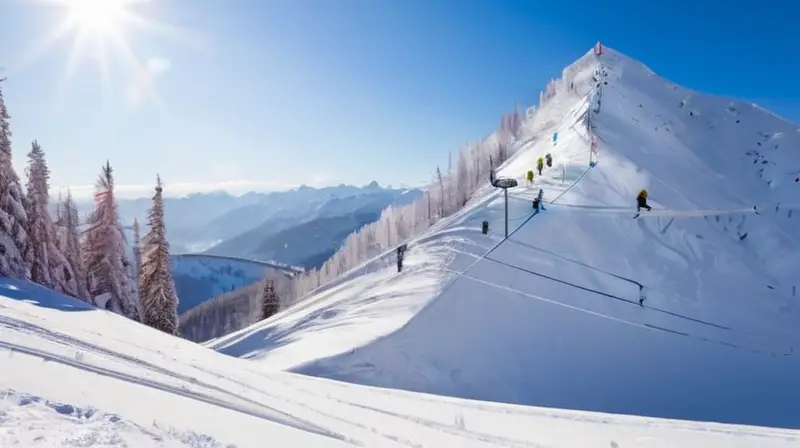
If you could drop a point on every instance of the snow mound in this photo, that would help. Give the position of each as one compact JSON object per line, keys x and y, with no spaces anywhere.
{"x":552,"y":316}
{"x":73,"y":375}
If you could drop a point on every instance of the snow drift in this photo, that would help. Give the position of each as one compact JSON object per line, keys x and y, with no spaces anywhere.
{"x":551,"y":316}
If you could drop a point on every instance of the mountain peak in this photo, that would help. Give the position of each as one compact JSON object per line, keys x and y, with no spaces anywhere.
{"x":372,"y":185}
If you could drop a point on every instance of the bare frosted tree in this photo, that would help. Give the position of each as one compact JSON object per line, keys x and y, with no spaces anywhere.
{"x":50,"y":267}
{"x":15,"y":254}
{"x":441,"y":192}
{"x":157,"y":288}
{"x":107,"y":265}
{"x":69,"y":243}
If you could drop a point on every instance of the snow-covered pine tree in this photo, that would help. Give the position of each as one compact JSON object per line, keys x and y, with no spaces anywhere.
{"x":107,"y":265}
{"x":50,"y":267}
{"x":15,"y":255}
{"x":157,"y":288}
{"x":270,"y":301}
{"x":69,"y":243}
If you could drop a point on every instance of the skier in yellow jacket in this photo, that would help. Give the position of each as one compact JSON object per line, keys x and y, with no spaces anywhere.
{"x":641,"y":201}
{"x":540,"y":165}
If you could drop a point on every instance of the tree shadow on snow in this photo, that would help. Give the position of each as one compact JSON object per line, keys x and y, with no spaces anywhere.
{"x":32,"y":293}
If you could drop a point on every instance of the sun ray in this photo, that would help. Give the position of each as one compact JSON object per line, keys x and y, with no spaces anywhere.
{"x":40,"y":47}
{"x":75,"y":51}
{"x":196,"y":41}
{"x":106,"y":79}
{"x":99,"y":30}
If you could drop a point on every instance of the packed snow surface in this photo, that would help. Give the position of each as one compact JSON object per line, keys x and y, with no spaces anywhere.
{"x":551,"y":316}
{"x":72,"y":375}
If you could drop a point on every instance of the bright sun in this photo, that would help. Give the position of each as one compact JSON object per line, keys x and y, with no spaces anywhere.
{"x":96,"y":15}
{"x":99,"y":31}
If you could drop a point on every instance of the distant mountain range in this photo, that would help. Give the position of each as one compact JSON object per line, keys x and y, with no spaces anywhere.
{"x":302,"y":227}
{"x":309,"y":238}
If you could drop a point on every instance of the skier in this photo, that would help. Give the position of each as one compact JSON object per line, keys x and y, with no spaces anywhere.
{"x":530,"y":176}
{"x":540,"y":165}
{"x":549,"y":160}
{"x":537,"y":203}
{"x":401,"y":254}
{"x":641,"y":202}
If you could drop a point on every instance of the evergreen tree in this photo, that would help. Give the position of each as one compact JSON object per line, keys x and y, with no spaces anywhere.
{"x":108,"y":268}
{"x":270,"y":301}
{"x":50,"y":267}
{"x":159,"y":299}
{"x":69,"y":244}
{"x":15,"y":254}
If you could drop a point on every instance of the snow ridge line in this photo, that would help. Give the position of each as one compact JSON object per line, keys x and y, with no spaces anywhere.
{"x":616,"y":319}
{"x":287,"y":269}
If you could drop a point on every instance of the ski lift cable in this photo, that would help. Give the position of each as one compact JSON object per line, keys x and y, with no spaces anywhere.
{"x":616,"y":319}
{"x":611,"y":296}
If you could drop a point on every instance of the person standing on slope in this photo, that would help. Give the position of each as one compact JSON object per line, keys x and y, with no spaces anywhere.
{"x":537,"y":203}
{"x":540,"y":165}
{"x":530,"y":176}
{"x":549,"y":160}
{"x":641,"y":201}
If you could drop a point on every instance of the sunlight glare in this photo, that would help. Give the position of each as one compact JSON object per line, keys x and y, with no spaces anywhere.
{"x":96,"y":15}
{"x":99,"y":32}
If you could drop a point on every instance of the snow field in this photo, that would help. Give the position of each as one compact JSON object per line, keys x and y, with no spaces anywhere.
{"x":76,"y":376}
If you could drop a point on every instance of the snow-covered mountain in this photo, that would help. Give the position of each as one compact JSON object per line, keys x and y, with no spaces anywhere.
{"x":548,"y":316}
{"x":551,"y":316}
{"x":73,"y":375}
{"x":202,"y":220}
{"x":309,"y":238}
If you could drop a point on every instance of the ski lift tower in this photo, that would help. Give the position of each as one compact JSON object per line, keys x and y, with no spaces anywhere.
{"x":505,"y":183}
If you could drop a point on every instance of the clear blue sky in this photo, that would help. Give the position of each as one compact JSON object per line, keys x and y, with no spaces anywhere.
{"x":318,"y":91}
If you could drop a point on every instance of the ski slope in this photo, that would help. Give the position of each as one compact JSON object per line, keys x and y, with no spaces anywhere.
{"x":72,"y":375}
{"x":551,"y":316}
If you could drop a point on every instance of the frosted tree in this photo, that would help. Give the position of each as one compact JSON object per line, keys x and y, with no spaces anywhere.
{"x":137,"y":250}
{"x":50,"y":267}
{"x":15,"y":254}
{"x":269,"y":299}
{"x":108,"y":268}
{"x":68,"y":241}
{"x":447,"y":193}
{"x":156,"y":286}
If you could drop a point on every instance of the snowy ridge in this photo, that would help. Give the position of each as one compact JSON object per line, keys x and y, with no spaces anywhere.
{"x":272,"y":264}
{"x":551,"y":316}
